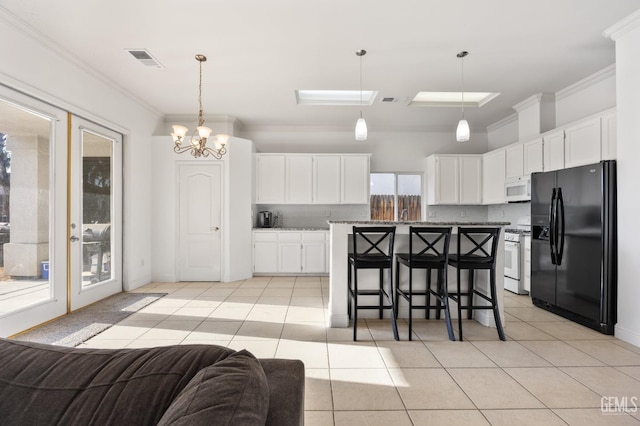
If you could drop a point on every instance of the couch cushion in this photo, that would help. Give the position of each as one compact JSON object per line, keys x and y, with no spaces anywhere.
{"x":231,"y":392}
{"x":44,"y":384}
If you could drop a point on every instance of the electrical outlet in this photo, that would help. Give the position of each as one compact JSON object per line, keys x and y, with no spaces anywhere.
{"x":463,"y":213}
{"x":432,"y":213}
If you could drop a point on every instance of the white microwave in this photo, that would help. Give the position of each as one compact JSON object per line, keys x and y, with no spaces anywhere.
{"x":517,"y":189}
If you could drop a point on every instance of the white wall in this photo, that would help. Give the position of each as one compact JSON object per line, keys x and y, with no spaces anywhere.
{"x":503,"y":133}
{"x":627,"y":37}
{"x":42,"y":70}
{"x":586,"y":97}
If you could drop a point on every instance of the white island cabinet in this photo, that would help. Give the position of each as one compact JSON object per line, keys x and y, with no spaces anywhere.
{"x":340,"y":234}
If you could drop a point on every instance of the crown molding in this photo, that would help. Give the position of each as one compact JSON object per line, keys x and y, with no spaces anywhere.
{"x":624,"y":26}
{"x":587,"y":82}
{"x":533,"y":100}
{"x":513,"y":118}
{"x":9,"y":19}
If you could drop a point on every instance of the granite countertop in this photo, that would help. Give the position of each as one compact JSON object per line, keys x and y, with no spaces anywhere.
{"x":417,"y":222}
{"x":291,"y":229}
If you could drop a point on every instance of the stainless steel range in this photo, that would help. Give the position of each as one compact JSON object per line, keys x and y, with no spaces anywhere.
{"x":514,"y":260}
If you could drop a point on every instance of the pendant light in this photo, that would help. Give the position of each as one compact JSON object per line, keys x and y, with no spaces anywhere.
{"x":361,"y":125}
{"x":462,"y":132}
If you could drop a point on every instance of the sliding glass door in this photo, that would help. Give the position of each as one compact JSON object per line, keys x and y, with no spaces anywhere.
{"x":95,"y":229}
{"x":33,"y":177}
{"x":60,"y":212}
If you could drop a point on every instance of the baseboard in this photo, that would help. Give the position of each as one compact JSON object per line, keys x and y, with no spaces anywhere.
{"x":629,"y":336}
{"x":338,"y":321}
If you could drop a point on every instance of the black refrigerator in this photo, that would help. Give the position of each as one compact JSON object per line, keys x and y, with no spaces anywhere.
{"x":573,"y":244}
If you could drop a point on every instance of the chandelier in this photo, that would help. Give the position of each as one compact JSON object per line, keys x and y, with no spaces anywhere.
{"x":197,"y":144}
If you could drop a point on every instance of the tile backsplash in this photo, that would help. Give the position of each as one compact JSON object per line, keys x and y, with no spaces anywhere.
{"x":313,"y":215}
{"x":516,"y":213}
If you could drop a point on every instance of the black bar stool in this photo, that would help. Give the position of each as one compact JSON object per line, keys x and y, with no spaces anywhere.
{"x":372,"y":249}
{"x":473,"y":259}
{"x":428,"y":249}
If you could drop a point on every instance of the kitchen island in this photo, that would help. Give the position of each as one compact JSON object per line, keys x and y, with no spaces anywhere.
{"x":339,"y":243}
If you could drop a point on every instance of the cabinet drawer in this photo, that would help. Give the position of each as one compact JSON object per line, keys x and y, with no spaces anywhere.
{"x":314,"y":236}
{"x":265,"y":236}
{"x":289,"y":236}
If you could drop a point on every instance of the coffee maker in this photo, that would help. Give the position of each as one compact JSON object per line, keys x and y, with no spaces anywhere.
{"x":265,"y":219}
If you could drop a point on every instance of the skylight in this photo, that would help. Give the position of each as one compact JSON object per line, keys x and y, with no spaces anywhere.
{"x":335,"y":97}
{"x":452,"y":99}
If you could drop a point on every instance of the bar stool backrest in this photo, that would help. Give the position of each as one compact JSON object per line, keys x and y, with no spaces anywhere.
{"x":430,"y":243}
{"x":373,"y":242}
{"x":480,"y":244}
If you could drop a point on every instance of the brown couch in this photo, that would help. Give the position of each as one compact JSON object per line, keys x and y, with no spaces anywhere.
{"x":174,"y":385}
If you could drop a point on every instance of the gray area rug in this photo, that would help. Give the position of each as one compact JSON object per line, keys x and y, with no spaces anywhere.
{"x":83,"y":324}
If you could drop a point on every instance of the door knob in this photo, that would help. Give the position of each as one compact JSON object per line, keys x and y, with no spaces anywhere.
{"x":73,"y":239}
{"x":215,"y":228}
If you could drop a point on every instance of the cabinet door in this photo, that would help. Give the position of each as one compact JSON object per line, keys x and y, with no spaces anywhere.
{"x":609,"y":137}
{"x":314,"y":257}
{"x":326,"y":179}
{"x":553,"y":150}
{"x":515,"y":161}
{"x":299,"y":179}
{"x":289,"y":259}
{"x":471,"y":179}
{"x":533,"y":156}
{"x":355,"y":179}
{"x":582,"y":143}
{"x":445,"y":176}
{"x":265,"y":257}
{"x":270,"y":179}
{"x":493,"y":173}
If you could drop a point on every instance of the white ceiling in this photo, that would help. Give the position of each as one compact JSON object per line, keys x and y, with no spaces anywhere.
{"x":260,"y":52}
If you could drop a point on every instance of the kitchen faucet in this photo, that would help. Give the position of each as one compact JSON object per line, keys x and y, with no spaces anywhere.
{"x":404,"y":215}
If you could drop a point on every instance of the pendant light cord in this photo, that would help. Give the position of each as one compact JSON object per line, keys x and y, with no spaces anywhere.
{"x":463,"y":87}
{"x":200,"y":114}
{"x":361,"y":86}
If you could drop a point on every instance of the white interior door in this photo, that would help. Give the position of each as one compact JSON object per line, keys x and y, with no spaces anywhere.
{"x":95,"y":230}
{"x":33,"y":243}
{"x":200,"y":219}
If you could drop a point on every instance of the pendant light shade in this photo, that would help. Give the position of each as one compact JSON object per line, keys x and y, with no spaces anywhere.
{"x":361,"y":129}
{"x":463,"y":132}
{"x":361,"y":125}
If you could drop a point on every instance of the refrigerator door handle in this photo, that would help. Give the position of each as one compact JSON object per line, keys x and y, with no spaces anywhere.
{"x":560,"y":234}
{"x":552,"y":227}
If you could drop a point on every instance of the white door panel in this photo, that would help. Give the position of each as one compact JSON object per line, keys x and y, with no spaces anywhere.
{"x":200,"y":217}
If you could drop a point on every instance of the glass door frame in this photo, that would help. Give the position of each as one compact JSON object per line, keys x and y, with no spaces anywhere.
{"x":79,"y":294}
{"x":56,"y":304}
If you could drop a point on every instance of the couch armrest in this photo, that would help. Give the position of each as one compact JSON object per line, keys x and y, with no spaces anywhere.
{"x":286,"y":391}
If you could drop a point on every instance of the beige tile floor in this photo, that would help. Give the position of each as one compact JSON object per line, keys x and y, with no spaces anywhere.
{"x":549,"y":371}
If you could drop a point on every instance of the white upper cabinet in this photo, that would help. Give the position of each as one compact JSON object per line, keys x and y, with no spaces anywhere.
{"x":515,"y":161}
{"x":299,"y":179}
{"x":582,"y":143}
{"x":609,"y":136}
{"x":493,"y":175}
{"x":553,"y":150}
{"x":533,"y":156}
{"x":454,"y":179}
{"x":443,"y":179}
{"x":312,"y":178}
{"x":270,"y":179}
{"x":326,"y":179}
{"x":355,"y":179}
{"x":470,"y":179}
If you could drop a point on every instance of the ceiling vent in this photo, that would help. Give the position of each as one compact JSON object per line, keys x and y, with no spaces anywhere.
{"x":145,"y":58}
{"x":389,"y":100}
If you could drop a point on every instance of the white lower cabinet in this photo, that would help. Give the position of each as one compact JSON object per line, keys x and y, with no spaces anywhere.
{"x":290,"y":252}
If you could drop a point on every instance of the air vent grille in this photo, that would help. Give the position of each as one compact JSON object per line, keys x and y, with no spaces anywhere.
{"x":388,"y":100}
{"x":145,"y":58}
